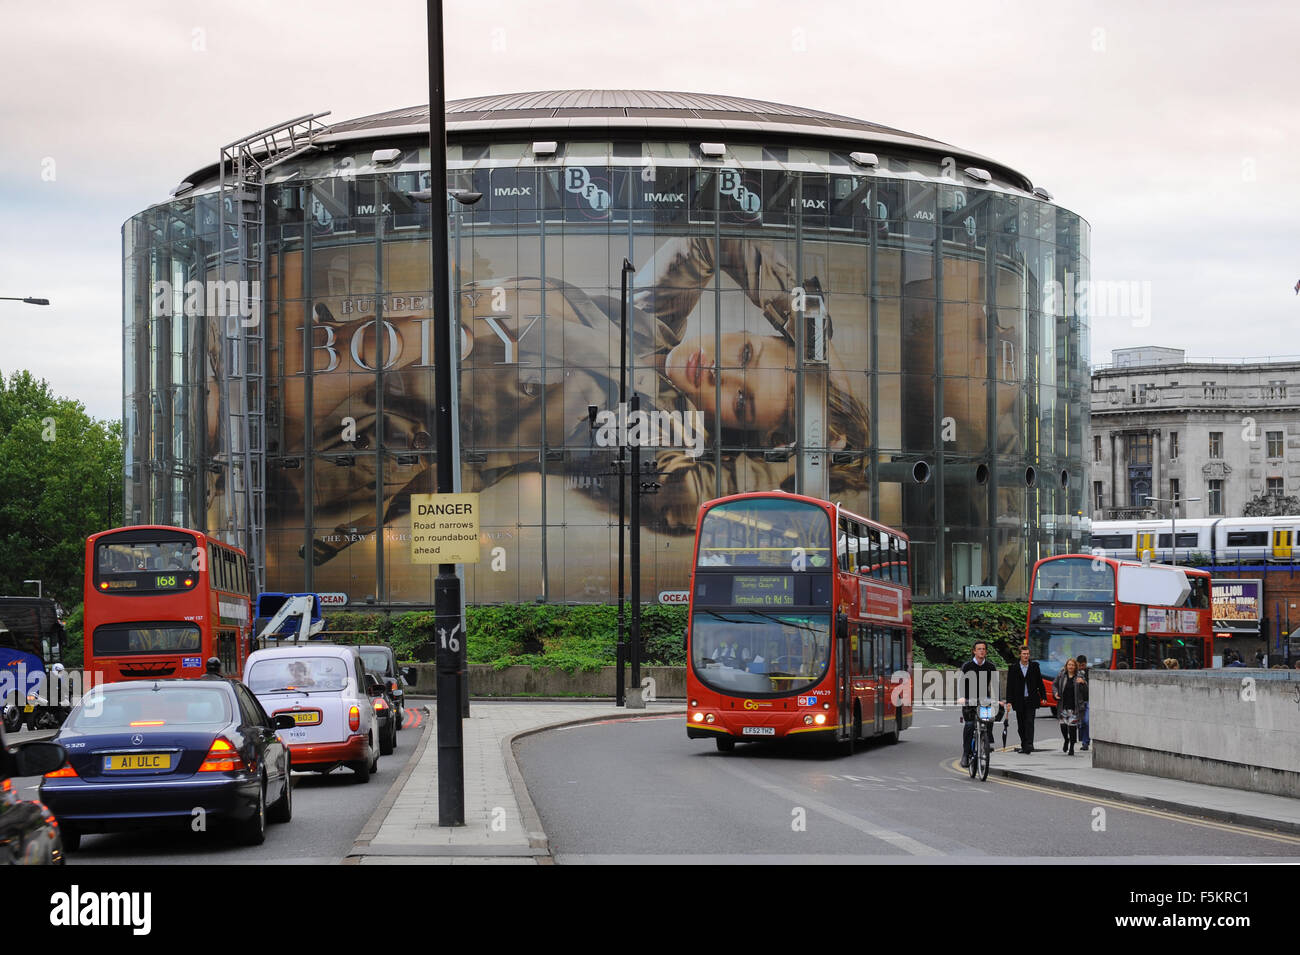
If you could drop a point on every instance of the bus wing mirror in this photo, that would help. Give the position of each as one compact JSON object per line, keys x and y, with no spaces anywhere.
{"x":842,"y":626}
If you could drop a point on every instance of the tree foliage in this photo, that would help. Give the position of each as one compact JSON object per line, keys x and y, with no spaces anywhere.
{"x":60,"y":481}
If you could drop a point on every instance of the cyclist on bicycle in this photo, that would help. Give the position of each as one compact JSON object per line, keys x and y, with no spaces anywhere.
{"x":981,"y":686}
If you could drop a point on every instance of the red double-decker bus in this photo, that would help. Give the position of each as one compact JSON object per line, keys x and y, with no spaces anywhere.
{"x":800,"y":623}
{"x":1094,"y":606}
{"x":161,"y":600}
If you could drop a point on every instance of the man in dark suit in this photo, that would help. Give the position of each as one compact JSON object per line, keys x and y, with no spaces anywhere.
{"x":1025,"y":692}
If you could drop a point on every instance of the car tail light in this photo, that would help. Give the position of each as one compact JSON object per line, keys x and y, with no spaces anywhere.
{"x":66,"y":771}
{"x":354,"y":718}
{"x":380,"y":705}
{"x":222,"y":758}
{"x":392,"y":685}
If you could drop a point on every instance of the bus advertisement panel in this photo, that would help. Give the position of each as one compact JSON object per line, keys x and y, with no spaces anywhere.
{"x":161,"y":600}
{"x":800,"y":615}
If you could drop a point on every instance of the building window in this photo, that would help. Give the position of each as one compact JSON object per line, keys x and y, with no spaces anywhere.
{"x":1099,"y":495}
{"x":1216,"y":498}
{"x":1173,"y":445}
{"x":1175,"y":492}
{"x":1096,"y":447}
{"x":1216,"y":444}
{"x":1275,"y":487}
{"x":1274,"y":444}
{"x":1277,"y":389}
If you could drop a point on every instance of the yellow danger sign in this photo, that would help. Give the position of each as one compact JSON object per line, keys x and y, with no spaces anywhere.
{"x":444,"y":529}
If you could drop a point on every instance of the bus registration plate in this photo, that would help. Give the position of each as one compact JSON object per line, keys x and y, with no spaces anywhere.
{"x":759,"y":731}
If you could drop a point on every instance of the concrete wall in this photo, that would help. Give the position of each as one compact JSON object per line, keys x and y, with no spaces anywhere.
{"x":1233,"y":727}
{"x":484,"y":680}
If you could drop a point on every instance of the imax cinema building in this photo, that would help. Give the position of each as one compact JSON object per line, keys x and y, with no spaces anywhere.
{"x":816,"y":303}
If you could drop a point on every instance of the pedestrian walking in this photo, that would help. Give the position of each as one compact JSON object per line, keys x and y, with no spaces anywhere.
{"x":1071,"y":690}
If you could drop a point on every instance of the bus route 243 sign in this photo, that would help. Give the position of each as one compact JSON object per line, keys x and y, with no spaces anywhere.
{"x":444,"y":529}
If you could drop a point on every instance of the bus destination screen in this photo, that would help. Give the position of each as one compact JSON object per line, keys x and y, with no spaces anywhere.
{"x":763,"y":590}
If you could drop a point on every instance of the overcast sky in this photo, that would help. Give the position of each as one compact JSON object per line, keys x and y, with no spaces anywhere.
{"x":1170,"y":127}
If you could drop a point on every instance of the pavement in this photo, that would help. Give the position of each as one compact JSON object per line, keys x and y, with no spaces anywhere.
{"x":502,"y":826}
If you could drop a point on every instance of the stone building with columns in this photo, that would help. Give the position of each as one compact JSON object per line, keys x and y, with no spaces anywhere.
{"x":1225,"y":431}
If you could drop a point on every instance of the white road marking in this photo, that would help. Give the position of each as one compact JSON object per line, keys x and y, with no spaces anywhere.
{"x":896,"y":839}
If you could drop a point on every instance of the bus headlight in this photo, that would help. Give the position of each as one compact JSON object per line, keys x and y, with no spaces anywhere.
{"x":709,"y":718}
{"x":820,"y":718}
{"x":698,"y":718}
{"x":807,"y":721}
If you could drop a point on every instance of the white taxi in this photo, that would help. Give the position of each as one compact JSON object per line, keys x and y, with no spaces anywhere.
{"x":323,"y":688}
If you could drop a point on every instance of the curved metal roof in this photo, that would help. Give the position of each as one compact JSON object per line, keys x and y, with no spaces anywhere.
{"x":559,"y":114}
{"x":639,"y":111}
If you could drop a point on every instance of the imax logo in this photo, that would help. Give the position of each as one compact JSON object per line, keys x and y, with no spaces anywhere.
{"x":513,"y":191}
{"x":664,"y":197}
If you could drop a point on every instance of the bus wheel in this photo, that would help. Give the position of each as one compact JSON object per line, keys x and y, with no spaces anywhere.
{"x":725,"y":744}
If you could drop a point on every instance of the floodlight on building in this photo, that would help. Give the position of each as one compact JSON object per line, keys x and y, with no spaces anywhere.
{"x":545,"y":147}
{"x":382,"y":156}
{"x":978,"y":174}
{"x":870,"y":160}
{"x":713,"y":150}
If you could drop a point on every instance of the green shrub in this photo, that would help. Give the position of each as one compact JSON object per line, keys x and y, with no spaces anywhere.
{"x":944,"y":633}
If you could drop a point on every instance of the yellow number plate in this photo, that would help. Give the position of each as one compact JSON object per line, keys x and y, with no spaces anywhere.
{"x":306,"y":719}
{"x":139,"y":761}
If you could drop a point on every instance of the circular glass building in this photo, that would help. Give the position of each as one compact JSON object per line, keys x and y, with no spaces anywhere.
{"x":815,"y":303}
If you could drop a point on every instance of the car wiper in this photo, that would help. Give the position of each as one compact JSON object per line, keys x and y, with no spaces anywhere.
{"x":287,"y":689}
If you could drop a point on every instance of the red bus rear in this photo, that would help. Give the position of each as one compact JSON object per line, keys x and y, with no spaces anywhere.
{"x":800,"y":623}
{"x":1075,"y":608}
{"x":160,"y":601}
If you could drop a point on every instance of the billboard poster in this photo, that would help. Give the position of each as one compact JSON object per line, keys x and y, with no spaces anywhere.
{"x":727,"y":403}
{"x":1236,"y":600}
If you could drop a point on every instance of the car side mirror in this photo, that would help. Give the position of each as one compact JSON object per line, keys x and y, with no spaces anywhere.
{"x":373,"y":686}
{"x":411,"y":675}
{"x":284,"y":722}
{"x":38,"y":758}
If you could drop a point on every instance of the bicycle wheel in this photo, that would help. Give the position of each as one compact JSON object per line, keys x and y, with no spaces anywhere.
{"x":986,"y":746}
{"x":974,"y":755}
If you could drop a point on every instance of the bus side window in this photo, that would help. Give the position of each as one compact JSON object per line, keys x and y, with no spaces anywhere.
{"x":844,"y":561}
{"x":227,"y":652}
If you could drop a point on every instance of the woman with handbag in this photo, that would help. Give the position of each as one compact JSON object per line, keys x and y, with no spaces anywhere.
{"x":1071,"y":695}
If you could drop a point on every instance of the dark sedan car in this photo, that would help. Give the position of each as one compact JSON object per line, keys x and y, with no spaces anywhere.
{"x":380,"y":661}
{"x":159,"y":752}
{"x":29,"y":834}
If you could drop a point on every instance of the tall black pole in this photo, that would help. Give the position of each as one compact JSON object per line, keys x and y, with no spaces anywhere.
{"x":620,"y":649}
{"x":635,"y":414}
{"x":446,"y":590}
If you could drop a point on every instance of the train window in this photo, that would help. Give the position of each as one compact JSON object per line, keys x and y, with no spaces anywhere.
{"x":1184,"y":540}
{"x":1247,"y":539}
{"x":1112,"y":541}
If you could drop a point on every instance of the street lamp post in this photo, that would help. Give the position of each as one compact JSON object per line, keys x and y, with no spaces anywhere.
{"x":1173,"y":519}
{"x":28,"y":301}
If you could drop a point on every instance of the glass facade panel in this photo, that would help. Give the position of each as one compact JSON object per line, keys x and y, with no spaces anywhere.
{"x":890,"y":343}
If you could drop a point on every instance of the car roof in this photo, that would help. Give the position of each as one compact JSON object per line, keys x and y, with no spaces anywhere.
{"x":306,"y":649}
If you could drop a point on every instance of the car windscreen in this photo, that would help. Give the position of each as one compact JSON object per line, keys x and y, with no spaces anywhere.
{"x":291,"y":672}
{"x":186,"y":705}
{"x":376,"y":661}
